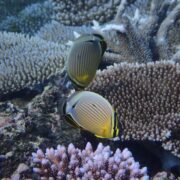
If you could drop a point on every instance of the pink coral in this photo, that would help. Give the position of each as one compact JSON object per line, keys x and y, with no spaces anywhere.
{"x":73,"y":163}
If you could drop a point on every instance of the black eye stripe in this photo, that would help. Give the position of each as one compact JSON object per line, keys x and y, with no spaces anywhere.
{"x":71,"y":121}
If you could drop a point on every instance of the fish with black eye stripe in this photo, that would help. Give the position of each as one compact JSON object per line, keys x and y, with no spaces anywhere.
{"x":83,"y":59}
{"x":86,"y":110}
{"x":93,"y":113}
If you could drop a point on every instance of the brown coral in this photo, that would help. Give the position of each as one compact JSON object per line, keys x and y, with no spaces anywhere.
{"x":147,"y":98}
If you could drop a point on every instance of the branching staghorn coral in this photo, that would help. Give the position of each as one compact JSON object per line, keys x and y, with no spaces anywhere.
{"x":146,"y":26}
{"x":162,"y":41}
{"x":174,"y":37}
{"x":82,"y":12}
{"x":73,"y":163}
{"x":26,"y":61}
{"x":147,"y":99}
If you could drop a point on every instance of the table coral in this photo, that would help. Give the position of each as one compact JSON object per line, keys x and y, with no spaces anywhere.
{"x":27,"y":61}
{"x":81,"y":12}
{"x":147,"y":99}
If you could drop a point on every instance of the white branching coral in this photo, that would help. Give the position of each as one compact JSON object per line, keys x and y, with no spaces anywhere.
{"x":29,"y":20}
{"x":73,"y":163}
{"x":81,"y":12}
{"x":147,"y":99}
{"x":57,"y":32}
{"x":26,"y":61}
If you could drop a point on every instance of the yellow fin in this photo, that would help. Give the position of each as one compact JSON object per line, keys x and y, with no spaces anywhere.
{"x":85,"y":77}
{"x":99,"y":136}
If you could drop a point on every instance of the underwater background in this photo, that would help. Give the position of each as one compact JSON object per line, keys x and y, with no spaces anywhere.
{"x":139,"y":75}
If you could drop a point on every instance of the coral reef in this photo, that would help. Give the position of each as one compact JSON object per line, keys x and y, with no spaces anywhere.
{"x":27,"y":61}
{"x":146,"y":97}
{"x":12,"y":7}
{"x":25,"y":128}
{"x":146,"y":30}
{"x":82,"y":12}
{"x":20,"y":172}
{"x":75,"y":164}
{"x":33,"y":17}
{"x":57,"y":32}
{"x":29,"y":20}
{"x":174,"y":37}
{"x":164,"y":175}
{"x":137,"y":42}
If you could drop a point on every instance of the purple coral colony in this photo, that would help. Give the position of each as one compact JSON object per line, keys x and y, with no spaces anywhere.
{"x":139,"y":75}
